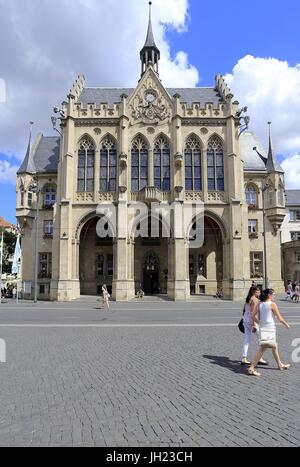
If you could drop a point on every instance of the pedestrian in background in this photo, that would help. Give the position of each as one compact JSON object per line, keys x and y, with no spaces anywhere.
{"x":106,"y":297}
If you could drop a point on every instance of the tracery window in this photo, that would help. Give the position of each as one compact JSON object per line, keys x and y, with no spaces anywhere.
{"x":108,"y":165}
{"x":215,"y":165}
{"x":193,"y":174}
{"x":139,"y":164}
{"x":251,"y":196}
{"x":162,"y":174}
{"x":86,"y":166}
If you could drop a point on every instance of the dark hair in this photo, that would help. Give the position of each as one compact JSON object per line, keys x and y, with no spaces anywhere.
{"x":265,"y":294}
{"x":251,"y":293}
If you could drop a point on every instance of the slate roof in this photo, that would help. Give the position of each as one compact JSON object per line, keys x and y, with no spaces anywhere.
{"x":111,"y":96}
{"x":292,"y":197}
{"x":42,"y":157}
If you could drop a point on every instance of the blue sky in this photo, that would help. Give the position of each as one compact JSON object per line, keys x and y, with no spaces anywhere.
{"x":264,"y":28}
{"x":229,"y":37}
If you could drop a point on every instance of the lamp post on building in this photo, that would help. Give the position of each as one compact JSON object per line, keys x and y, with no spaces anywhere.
{"x":35,"y":188}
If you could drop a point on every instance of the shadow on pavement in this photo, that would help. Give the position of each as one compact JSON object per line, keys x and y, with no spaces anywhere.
{"x":225,"y":362}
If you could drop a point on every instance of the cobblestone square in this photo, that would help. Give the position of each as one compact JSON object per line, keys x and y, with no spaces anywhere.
{"x":145,"y":374}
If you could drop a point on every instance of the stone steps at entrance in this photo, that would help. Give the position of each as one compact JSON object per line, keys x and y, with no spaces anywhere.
{"x":153,"y":299}
{"x":202,"y":298}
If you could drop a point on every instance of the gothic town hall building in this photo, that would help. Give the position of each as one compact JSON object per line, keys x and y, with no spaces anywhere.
{"x":149,"y":144}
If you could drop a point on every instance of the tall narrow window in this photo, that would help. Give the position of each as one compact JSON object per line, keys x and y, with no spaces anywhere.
{"x":162,"y":175}
{"x":215,"y":165}
{"x":86,"y":166}
{"x":281,"y":196}
{"x":139,"y":165}
{"x":30,"y":194}
{"x":193,"y":165}
{"x":108,"y":165}
{"x":22,"y":195}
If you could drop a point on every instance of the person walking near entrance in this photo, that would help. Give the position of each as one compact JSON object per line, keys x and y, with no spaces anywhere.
{"x":251,"y":329}
{"x":106,"y":297}
{"x":264,"y":315}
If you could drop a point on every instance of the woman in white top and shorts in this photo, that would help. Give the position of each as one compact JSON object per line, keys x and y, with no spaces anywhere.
{"x":264,"y":315}
{"x":251,"y":328}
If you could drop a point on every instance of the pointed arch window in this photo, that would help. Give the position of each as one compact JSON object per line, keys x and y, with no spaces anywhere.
{"x":108,"y":165}
{"x":162,"y":175}
{"x":193,"y":172}
{"x":139,"y":164}
{"x":86,"y":166}
{"x":215,"y":165}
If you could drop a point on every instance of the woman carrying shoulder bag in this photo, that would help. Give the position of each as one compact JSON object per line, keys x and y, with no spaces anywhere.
{"x":250,"y":328}
{"x":267,"y":311}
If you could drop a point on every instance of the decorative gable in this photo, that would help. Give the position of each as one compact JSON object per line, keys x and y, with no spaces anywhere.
{"x":150,"y":103}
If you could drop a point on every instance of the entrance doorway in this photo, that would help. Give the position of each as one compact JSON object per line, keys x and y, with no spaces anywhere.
{"x":151,"y":284}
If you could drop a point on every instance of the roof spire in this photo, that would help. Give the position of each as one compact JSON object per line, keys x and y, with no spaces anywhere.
{"x":270,"y":162}
{"x":28,"y":163}
{"x":150,"y":53}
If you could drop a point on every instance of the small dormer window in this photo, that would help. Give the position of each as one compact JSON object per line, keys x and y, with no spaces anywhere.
{"x":50,"y":196}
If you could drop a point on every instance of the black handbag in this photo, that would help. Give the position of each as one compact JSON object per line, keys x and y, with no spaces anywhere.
{"x":241,"y":326}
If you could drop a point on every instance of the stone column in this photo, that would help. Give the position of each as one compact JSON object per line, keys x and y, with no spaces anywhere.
{"x":180,"y":255}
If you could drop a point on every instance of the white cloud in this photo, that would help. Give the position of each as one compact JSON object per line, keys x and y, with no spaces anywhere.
{"x":291,"y":166}
{"x":7,"y":172}
{"x":271,"y":90}
{"x":46,"y":44}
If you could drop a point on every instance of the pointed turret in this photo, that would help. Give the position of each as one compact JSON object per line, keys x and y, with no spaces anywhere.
{"x":28,"y":165}
{"x":270,"y":165}
{"x":150,"y":53}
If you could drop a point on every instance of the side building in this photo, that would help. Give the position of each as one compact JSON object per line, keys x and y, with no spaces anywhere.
{"x":290,"y":235}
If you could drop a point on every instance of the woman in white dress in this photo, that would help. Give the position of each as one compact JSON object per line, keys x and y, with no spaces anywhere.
{"x":264,"y":315}
{"x":251,"y":328}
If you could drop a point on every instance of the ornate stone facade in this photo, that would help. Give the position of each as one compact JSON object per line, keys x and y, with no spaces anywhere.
{"x":84,"y":172}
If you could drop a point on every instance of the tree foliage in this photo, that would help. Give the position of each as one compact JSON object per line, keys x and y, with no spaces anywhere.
{"x":8,"y":250}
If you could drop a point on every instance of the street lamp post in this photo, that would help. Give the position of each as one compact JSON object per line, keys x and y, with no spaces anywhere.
{"x":35,"y":188}
{"x":264,"y":189}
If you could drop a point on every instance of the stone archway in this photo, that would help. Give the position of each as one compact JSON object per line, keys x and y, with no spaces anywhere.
{"x":96,"y":259}
{"x":206,"y":262}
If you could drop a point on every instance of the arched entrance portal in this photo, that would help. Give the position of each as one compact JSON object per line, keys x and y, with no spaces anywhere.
{"x":151,"y":262}
{"x":96,"y":260}
{"x":206,"y":263}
